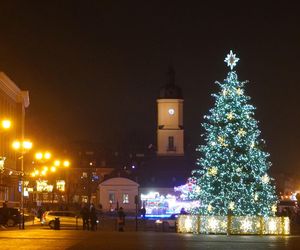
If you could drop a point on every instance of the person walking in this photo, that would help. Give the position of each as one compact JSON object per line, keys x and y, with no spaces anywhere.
{"x":93,"y":217}
{"x":121,"y":219}
{"x":85,"y":215}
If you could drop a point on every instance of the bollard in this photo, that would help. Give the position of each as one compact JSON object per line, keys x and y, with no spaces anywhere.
{"x":56,"y":224}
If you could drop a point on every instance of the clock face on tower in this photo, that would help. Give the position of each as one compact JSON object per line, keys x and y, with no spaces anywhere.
{"x":171,"y":111}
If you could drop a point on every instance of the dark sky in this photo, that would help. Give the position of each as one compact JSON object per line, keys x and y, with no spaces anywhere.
{"x":94,"y":68}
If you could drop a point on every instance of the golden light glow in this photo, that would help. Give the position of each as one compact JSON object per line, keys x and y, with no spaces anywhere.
{"x":212,"y":224}
{"x":16,"y":145}
{"x":27,"y":144}
{"x":265,"y":179}
{"x":6,"y":124}
{"x":242,"y":132}
{"x":39,"y":156}
{"x":239,"y":91}
{"x":66,"y":163}
{"x":37,"y":172}
{"x":57,"y":163}
{"x":209,"y":208}
{"x":47,"y":155}
{"x":43,"y":173}
{"x":231,"y":205}
{"x":213,"y":171}
{"x":230,"y":116}
{"x":53,"y":169}
{"x":274,"y":208}
{"x":33,"y":174}
{"x":46,"y":168}
{"x":246,"y":225}
{"x":239,"y":224}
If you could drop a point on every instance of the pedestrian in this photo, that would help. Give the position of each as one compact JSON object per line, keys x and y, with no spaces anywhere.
{"x":4,"y":215}
{"x":85,"y":215}
{"x":121,"y":219}
{"x":143,"y":212}
{"x":93,"y":217}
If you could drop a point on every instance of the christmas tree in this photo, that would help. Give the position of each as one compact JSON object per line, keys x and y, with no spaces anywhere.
{"x":232,"y":176}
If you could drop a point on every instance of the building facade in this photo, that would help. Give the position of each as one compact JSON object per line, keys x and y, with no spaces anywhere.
{"x":118,"y":192}
{"x":170,"y":132}
{"x":13,"y":102}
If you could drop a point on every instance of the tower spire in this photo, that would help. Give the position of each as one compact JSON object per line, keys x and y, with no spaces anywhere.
{"x":171,"y":75}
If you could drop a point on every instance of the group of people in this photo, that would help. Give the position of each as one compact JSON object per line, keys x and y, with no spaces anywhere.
{"x":89,"y":217}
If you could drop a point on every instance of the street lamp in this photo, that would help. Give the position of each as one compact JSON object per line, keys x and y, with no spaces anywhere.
{"x":22,"y":147}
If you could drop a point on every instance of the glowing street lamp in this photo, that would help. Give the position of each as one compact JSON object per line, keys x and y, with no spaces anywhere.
{"x":22,"y":147}
{"x":6,"y":124}
{"x":66,"y":163}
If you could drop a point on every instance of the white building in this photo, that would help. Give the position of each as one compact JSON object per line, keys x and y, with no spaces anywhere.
{"x":118,"y":192}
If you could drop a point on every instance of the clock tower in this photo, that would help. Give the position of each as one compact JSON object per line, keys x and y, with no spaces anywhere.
{"x":170,"y":133}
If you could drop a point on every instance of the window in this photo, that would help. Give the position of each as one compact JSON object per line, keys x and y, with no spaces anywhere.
{"x":84,"y":174}
{"x":111,"y":197}
{"x":125,"y":198}
{"x":171,"y":143}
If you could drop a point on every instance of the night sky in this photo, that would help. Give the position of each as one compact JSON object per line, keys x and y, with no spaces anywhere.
{"x":94,"y":68}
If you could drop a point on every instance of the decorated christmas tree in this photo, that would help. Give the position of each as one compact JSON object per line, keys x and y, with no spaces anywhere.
{"x":232,"y":177}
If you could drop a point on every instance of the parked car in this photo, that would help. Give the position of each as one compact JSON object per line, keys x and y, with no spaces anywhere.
{"x":66,"y":218}
{"x":169,"y":222}
{"x":13,"y":217}
{"x":288,"y":205}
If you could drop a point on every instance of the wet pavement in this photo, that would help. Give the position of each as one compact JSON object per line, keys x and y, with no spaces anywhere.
{"x":37,"y":237}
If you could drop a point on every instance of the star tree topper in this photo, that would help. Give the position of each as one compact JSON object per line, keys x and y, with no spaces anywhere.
{"x":231,"y":60}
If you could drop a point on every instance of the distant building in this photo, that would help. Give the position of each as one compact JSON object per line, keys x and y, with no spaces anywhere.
{"x":13,"y":102}
{"x":118,"y":192}
{"x":170,"y":166}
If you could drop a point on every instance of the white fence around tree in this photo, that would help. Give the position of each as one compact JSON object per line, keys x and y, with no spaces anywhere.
{"x":258,"y":225}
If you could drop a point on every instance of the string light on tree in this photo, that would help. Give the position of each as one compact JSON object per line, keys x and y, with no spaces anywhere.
{"x":239,"y":165}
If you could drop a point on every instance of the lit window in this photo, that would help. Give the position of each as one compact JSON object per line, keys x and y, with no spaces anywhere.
{"x":84,"y":174}
{"x":125,"y":198}
{"x":111,"y":197}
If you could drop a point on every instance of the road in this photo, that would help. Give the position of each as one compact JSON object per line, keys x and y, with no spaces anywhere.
{"x":44,"y":238}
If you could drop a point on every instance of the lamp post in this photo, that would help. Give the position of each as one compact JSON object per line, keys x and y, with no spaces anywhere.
{"x":22,"y":147}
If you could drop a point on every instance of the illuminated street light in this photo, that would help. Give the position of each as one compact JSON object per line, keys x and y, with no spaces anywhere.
{"x":6,"y":124}
{"x":57,"y":163}
{"x":39,"y":156}
{"x":22,"y":147}
{"x":53,"y":169}
{"x":66,"y":164}
{"x":43,"y":156}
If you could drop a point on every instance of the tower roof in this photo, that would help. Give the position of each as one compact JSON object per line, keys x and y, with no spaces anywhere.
{"x":170,"y":90}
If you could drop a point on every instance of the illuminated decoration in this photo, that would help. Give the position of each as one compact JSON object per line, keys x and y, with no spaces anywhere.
{"x":2,"y":161}
{"x":221,"y":140}
{"x":42,"y":186}
{"x":274,"y":208}
{"x":213,"y":171}
{"x":158,"y":205}
{"x":258,"y":225}
{"x":209,"y":208}
{"x":171,"y":111}
{"x":231,"y":205}
{"x":231,"y":60}
{"x":239,"y":91}
{"x":242,"y":132}
{"x":230,"y":116}
{"x":238,"y":156}
{"x":225,"y":92}
{"x":265,"y":179}
{"x":60,"y":185}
